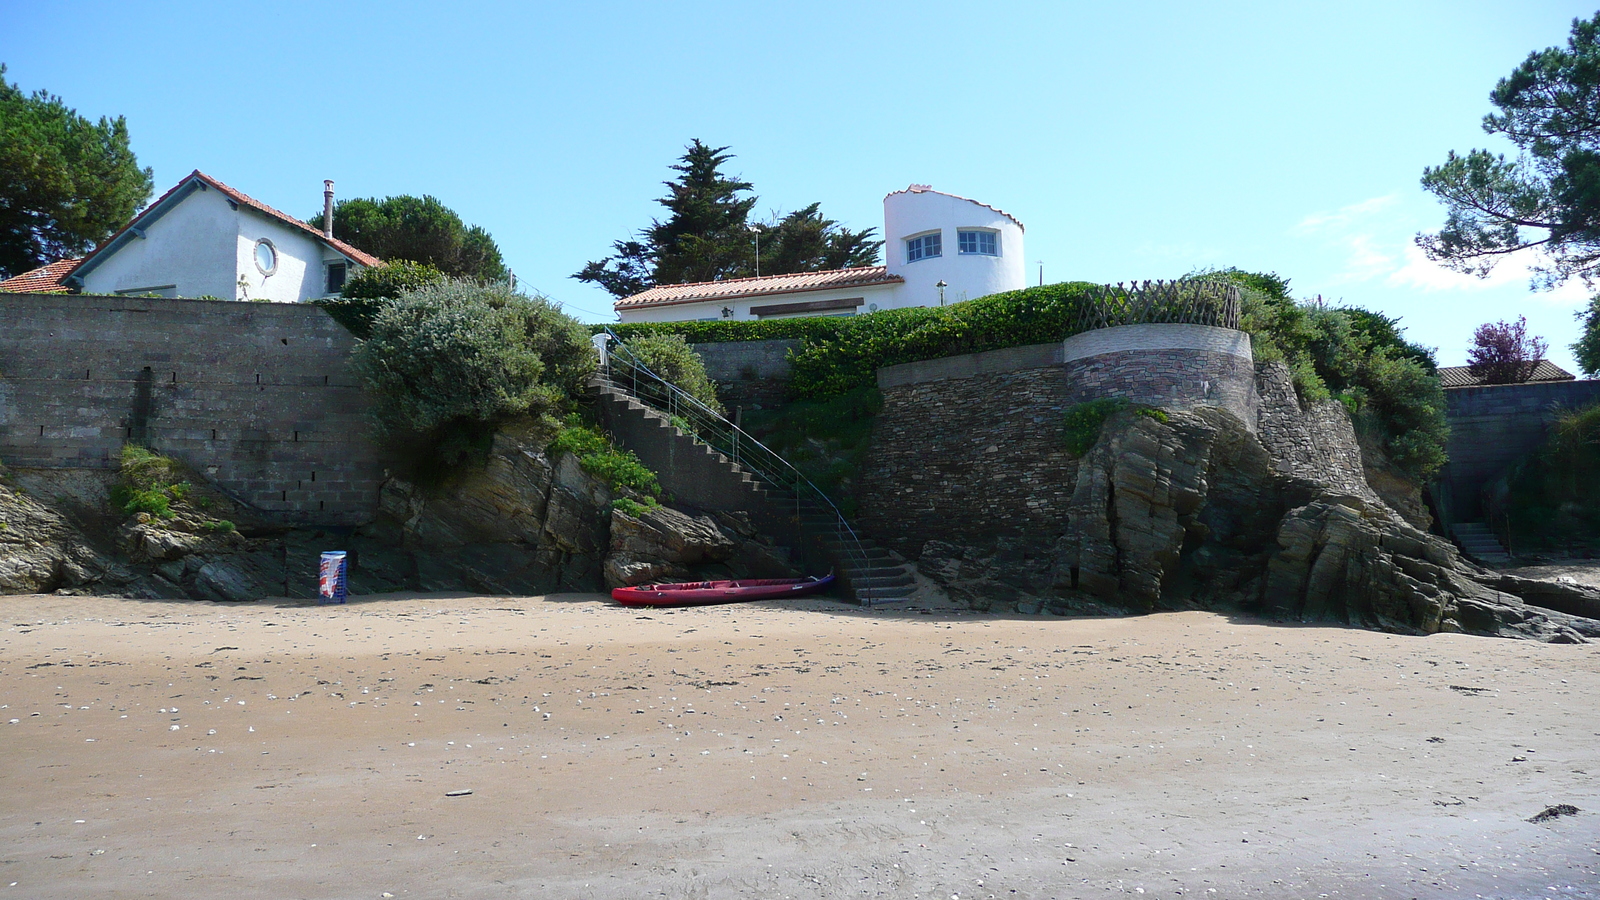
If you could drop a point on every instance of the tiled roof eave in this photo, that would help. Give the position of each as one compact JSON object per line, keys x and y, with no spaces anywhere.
{"x":770,"y":292}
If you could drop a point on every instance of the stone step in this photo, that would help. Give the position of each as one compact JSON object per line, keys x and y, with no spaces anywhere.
{"x":904,"y":578}
{"x":875,"y":572}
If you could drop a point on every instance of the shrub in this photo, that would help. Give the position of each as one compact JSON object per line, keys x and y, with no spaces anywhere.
{"x":449,"y":362}
{"x":671,"y":358}
{"x":1360,"y":357}
{"x":147,"y":483}
{"x":222,"y":525}
{"x":1081,"y":424}
{"x":365,"y":295}
{"x":635,"y":508}
{"x":849,"y":359}
{"x":596,"y":455}
{"x":1504,"y":352}
{"x":724,"y":330}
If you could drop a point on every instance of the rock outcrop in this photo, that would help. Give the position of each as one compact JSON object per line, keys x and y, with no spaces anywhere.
{"x":525,"y":523}
{"x":40,"y":550}
{"x":1195,"y":512}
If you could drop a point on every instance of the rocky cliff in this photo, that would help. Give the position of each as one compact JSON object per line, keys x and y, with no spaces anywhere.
{"x":526,"y":523}
{"x":1197,"y":512}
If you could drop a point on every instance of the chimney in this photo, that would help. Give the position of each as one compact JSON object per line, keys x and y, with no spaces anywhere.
{"x":327,"y":209}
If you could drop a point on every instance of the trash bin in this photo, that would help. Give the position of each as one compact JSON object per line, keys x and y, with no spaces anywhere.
{"x":333,"y":577}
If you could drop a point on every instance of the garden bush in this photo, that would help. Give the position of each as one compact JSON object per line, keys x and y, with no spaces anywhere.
{"x":1357,"y":356}
{"x":370,"y":290}
{"x":597,"y":456}
{"x":849,"y":360}
{"x":671,"y":358}
{"x":147,"y":482}
{"x":447,"y":363}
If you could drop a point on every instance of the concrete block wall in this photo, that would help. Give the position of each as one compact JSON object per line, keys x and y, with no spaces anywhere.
{"x":1493,"y":426}
{"x":257,"y":396}
{"x":749,"y":374}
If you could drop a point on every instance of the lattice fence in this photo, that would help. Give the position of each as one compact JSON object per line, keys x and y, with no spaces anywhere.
{"x":1188,"y":302}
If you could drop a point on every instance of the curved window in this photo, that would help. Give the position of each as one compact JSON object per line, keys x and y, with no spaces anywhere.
{"x":266,"y":257}
{"x":974,"y":242}
{"x":924,"y":246}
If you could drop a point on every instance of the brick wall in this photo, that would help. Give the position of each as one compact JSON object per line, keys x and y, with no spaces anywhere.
{"x":258,"y":396}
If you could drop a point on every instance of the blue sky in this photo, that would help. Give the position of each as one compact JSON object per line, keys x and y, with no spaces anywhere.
{"x":1134,"y":140}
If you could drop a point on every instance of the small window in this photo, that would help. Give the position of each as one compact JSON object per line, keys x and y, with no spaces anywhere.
{"x":982,"y":243}
{"x":336,"y":276}
{"x":923,"y":247}
{"x":266,"y":257}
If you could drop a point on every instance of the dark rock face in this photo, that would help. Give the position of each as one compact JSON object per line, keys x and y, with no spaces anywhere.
{"x":40,"y":550}
{"x":1195,"y":512}
{"x":524,"y":524}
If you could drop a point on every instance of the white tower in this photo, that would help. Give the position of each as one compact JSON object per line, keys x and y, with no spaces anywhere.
{"x":931,"y":237}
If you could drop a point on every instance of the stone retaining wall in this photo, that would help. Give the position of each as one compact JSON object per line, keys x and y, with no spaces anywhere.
{"x":258,"y":396}
{"x":970,"y":449}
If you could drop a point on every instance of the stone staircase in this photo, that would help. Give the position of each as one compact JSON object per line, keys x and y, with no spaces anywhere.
{"x":1478,"y":541}
{"x":875,"y":574}
{"x":703,"y":476}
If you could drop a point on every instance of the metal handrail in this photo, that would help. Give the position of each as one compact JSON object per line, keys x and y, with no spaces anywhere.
{"x":625,"y":371}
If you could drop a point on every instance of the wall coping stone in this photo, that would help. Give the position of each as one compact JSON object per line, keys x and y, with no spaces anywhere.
{"x":1157,"y":336}
{"x":1117,"y":339}
{"x":970,"y":365}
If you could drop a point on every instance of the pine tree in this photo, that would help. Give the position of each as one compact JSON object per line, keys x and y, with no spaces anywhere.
{"x":709,"y":236}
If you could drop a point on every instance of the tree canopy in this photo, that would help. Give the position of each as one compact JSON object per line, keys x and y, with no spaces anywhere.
{"x":65,"y":183}
{"x":417,"y":229}
{"x":708,"y":235}
{"x":1548,"y":196}
{"x":1587,"y":347}
{"x":1504,"y":352}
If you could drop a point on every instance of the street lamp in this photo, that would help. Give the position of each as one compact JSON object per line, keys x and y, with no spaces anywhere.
{"x":941,"y":286}
{"x":755,"y":230}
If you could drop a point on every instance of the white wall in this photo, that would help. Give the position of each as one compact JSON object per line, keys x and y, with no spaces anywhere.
{"x":203,"y":245}
{"x":192,"y":246}
{"x":883,"y":295}
{"x":907,"y":214}
{"x":299,"y":276}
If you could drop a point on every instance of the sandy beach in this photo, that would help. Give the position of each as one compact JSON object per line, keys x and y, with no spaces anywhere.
{"x":789,"y":749}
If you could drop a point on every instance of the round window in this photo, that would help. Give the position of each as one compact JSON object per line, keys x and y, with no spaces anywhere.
{"x":266,"y":257}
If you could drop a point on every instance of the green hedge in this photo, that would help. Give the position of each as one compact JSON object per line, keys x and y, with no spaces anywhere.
{"x":819,"y":328}
{"x":866,"y":343}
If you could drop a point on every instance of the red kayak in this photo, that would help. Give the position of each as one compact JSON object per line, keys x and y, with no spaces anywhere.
{"x":698,"y":593}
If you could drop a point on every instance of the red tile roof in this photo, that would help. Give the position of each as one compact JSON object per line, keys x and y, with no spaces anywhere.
{"x":1461,"y":376}
{"x":925,"y":189}
{"x":43,"y":280}
{"x":734,"y":288}
{"x":362,"y":257}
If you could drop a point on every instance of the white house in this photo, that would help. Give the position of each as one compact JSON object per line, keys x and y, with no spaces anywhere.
{"x":205,"y":239}
{"x":930,"y":238}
